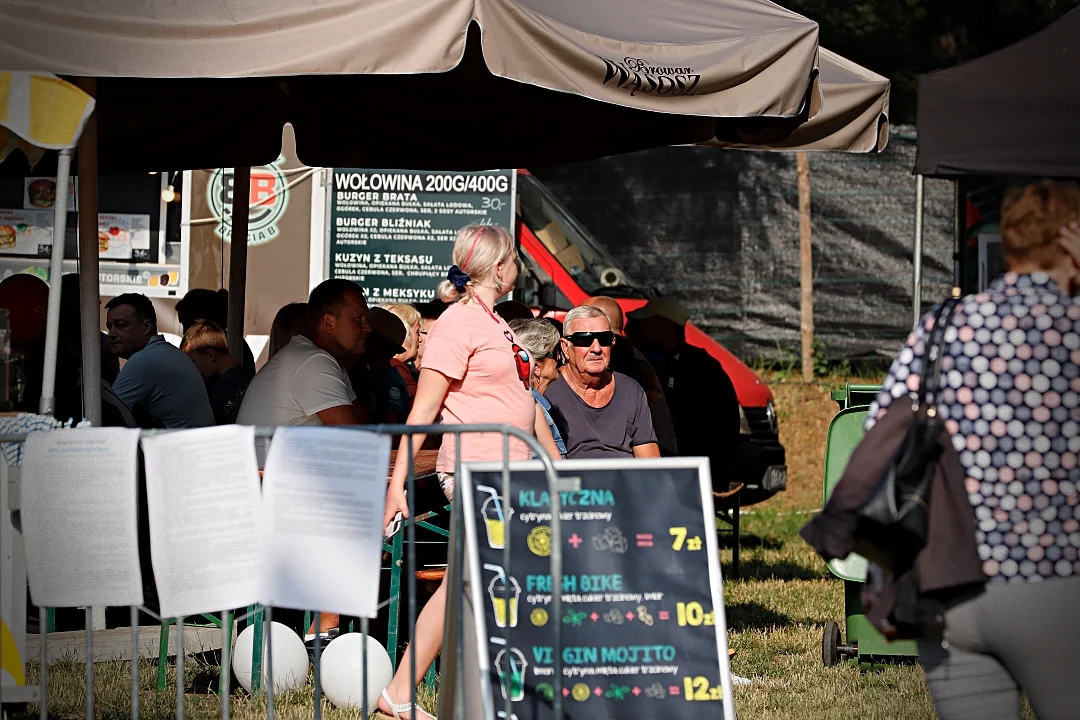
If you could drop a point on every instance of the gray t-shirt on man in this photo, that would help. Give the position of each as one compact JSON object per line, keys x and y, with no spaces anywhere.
{"x":612,"y":431}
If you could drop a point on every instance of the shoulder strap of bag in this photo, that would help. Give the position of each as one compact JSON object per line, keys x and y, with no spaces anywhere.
{"x":935,"y":353}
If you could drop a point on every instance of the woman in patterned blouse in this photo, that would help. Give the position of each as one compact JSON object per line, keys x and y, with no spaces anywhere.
{"x":1011,"y":393}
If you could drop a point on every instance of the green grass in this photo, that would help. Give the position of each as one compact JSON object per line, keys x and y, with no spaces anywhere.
{"x":775,"y":614}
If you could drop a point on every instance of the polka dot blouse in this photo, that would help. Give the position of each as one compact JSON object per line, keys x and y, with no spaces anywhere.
{"x":1010,"y":391}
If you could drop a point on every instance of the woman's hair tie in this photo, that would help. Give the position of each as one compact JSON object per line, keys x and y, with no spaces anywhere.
{"x":458,"y":278}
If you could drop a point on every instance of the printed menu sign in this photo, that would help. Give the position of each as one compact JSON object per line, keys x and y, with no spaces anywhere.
{"x":392,"y":231}
{"x":643,"y":629}
{"x":124,"y":237}
{"x":30,"y":233}
{"x":26,"y":232}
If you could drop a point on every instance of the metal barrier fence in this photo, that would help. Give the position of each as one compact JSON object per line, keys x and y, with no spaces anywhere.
{"x":457,"y":536}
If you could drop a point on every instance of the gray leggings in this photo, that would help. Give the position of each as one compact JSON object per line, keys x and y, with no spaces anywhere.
{"x":1012,"y":638}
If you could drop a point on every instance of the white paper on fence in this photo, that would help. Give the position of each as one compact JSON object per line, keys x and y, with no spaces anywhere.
{"x":323,"y":495}
{"x":80,"y":517}
{"x":202,"y":487}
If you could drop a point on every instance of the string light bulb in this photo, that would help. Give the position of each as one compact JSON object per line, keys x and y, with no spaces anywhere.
{"x":169,"y":194}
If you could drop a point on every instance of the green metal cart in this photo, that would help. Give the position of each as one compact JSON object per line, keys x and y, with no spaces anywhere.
{"x":865,"y":646}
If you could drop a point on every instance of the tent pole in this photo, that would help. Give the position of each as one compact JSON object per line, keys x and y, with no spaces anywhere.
{"x":959,"y":226}
{"x":916,"y":280}
{"x":238,"y":251}
{"x":89,"y":288}
{"x":56,"y":271}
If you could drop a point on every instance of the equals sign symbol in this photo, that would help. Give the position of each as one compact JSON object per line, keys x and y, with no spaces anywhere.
{"x":644,"y":539}
{"x":664,"y":615}
{"x":673,"y":690}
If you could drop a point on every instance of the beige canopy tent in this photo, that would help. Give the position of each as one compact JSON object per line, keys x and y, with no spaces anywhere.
{"x":429,"y":84}
{"x":419,"y":84}
{"x":432,"y":84}
{"x":854,"y":115}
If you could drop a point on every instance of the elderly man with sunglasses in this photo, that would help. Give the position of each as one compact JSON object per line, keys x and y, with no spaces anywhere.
{"x":600,"y":413}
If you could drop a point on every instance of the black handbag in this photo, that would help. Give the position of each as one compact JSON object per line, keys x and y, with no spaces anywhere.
{"x":892,"y":525}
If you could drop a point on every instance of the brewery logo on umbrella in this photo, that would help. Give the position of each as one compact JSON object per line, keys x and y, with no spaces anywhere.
{"x":637,"y":75}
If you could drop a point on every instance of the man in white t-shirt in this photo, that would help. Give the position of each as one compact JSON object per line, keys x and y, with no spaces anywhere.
{"x":305,"y":383}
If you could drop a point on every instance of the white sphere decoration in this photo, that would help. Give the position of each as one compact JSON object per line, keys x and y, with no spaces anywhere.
{"x":289,"y":655}
{"x":341,"y":671}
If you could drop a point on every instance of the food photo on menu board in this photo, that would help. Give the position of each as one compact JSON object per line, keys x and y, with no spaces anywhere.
{"x":25,"y":232}
{"x":124,"y":237}
{"x":40,"y":193}
{"x":643,"y":628}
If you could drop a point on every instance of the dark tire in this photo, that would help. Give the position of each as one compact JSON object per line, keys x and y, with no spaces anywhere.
{"x":830,"y":642}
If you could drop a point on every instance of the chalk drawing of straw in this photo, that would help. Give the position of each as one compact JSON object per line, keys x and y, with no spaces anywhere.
{"x":494,"y":518}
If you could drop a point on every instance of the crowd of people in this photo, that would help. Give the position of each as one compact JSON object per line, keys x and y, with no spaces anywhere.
{"x":596,"y":386}
{"x":584,"y":387}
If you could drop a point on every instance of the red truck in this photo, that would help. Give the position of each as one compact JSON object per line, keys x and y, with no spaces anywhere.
{"x":565,"y":265}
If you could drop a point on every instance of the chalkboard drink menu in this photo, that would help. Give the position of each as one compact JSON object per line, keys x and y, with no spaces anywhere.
{"x":642,"y":617}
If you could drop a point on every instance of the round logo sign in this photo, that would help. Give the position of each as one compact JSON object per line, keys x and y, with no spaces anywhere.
{"x":267,"y":202}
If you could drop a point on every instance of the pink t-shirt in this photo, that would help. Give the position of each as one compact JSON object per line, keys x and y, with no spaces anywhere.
{"x":489,"y":383}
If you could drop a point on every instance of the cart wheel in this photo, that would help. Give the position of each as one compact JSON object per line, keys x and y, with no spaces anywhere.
{"x":830,"y":642}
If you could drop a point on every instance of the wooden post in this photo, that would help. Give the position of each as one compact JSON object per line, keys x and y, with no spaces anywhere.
{"x":89,"y":284}
{"x":806,"y":268}
{"x":238,"y":260}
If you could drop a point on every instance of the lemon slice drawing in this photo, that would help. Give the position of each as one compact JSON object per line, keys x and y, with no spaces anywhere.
{"x":539,"y":541}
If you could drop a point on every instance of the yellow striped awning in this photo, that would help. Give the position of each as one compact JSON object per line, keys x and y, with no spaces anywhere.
{"x":39,"y":112}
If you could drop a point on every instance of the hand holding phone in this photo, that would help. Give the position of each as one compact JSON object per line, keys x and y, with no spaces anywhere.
{"x":394,"y":527}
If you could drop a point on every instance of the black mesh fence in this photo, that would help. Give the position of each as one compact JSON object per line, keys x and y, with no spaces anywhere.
{"x":719,"y":230}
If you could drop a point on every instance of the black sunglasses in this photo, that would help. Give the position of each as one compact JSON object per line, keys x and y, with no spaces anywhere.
{"x":606,"y":338}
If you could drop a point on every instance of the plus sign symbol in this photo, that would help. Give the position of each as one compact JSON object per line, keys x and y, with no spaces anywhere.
{"x":575,"y":540}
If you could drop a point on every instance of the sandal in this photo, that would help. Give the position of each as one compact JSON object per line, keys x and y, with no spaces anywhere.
{"x":404,"y":708}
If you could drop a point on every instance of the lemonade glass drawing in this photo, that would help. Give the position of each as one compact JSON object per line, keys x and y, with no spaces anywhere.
{"x":497,"y":593}
{"x":495,"y":521}
{"x":510,"y":664}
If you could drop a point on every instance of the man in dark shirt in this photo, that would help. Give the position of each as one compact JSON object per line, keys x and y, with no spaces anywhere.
{"x":226,"y":379}
{"x":158,"y":383}
{"x":701,"y":396}
{"x":628,"y":360}
{"x":600,"y":413}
